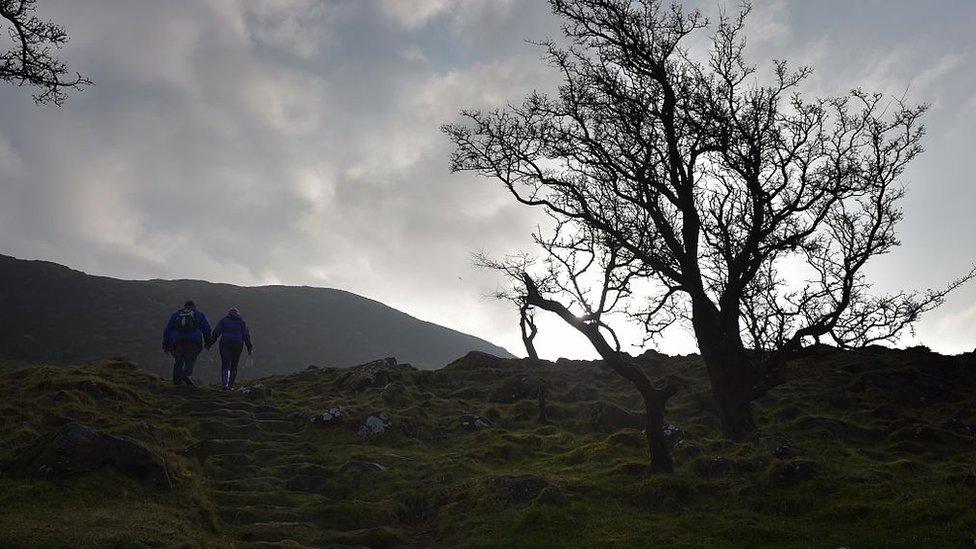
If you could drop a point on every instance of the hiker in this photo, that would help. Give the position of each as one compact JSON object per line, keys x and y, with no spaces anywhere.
{"x":184,"y":337}
{"x":234,"y":336}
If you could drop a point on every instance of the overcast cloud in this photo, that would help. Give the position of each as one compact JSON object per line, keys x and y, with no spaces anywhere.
{"x":296,"y":142}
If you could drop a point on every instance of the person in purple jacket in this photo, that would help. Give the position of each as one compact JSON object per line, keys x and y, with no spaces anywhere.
{"x":184,"y":337}
{"x":234,"y":336}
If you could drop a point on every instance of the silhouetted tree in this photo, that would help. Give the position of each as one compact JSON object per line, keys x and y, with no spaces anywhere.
{"x":31,"y":61}
{"x":688,"y":187}
{"x":529,"y":330}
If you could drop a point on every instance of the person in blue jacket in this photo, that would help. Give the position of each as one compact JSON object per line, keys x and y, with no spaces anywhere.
{"x":234,"y":336}
{"x":184,"y":337}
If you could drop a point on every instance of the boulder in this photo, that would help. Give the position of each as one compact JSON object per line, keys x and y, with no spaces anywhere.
{"x":607,"y":417}
{"x":514,"y":489}
{"x":472,"y":422}
{"x":333,"y":416}
{"x":516,"y":388}
{"x":378,"y":373}
{"x":375,"y":424}
{"x":77,"y":449}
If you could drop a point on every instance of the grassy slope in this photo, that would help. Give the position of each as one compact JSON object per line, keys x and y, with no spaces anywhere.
{"x":890,"y":470}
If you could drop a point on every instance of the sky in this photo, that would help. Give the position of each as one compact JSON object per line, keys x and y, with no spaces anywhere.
{"x":296,"y":142}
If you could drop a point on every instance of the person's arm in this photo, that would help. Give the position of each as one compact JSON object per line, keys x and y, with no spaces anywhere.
{"x":247,"y":337}
{"x":167,"y":332}
{"x":218,"y":329}
{"x":204,"y":327}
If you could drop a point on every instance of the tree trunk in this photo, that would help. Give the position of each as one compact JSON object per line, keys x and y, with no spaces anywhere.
{"x":730,"y":371}
{"x":734,"y":411}
{"x":657,"y":443}
{"x":530,"y":349}
{"x":529,"y":331}
{"x":654,"y":398}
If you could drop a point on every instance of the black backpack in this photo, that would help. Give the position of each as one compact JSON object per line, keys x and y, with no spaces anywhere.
{"x":186,"y":321}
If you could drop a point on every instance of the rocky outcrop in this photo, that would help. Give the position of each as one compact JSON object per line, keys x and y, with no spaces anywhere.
{"x":333,"y":416}
{"x":378,"y":373}
{"x":77,"y":449}
{"x":374,"y":425}
{"x":472,"y":422}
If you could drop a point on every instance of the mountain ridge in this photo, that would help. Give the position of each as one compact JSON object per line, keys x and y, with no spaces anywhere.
{"x":59,"y":314}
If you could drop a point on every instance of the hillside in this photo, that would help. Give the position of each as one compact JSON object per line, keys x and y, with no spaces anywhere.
{"x":859,"y":449}
{"x":51,"y":313}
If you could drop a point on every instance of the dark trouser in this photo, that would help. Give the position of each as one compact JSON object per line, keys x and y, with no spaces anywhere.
{"x":230,"y":355}
{"x":185,"y":353}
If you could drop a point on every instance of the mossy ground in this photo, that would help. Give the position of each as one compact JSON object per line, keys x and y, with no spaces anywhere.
{"x":862,"y":461}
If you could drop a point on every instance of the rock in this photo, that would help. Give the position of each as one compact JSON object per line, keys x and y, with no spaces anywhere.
{"x":711,"y":467}
{"x":674,"y":434}
{"x":333,"y":416}
{"x":375,"y":424}
{"x":361,"y":466}
{"x":472,"y":422}
{"x":516,"y":388}
{"x":255,"y":392}
{"x":394,"y":393}
{"x":76,"y":449}
{"x":372,"y":374}
{"x":513,"y":489}
{"x":606,"y":417}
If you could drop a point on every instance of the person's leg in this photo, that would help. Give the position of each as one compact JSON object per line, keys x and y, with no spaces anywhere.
{"x":177,"y":364}
{"x":191,"y":352}
{"x":235,"y":355}
{"x":225,"y":360}
{"x":230,"y":353}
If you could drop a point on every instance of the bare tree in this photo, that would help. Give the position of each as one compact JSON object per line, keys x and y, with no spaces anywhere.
{"x":31,"y":60}
{"x":529,"y":329}
{"x":690,"y":186}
